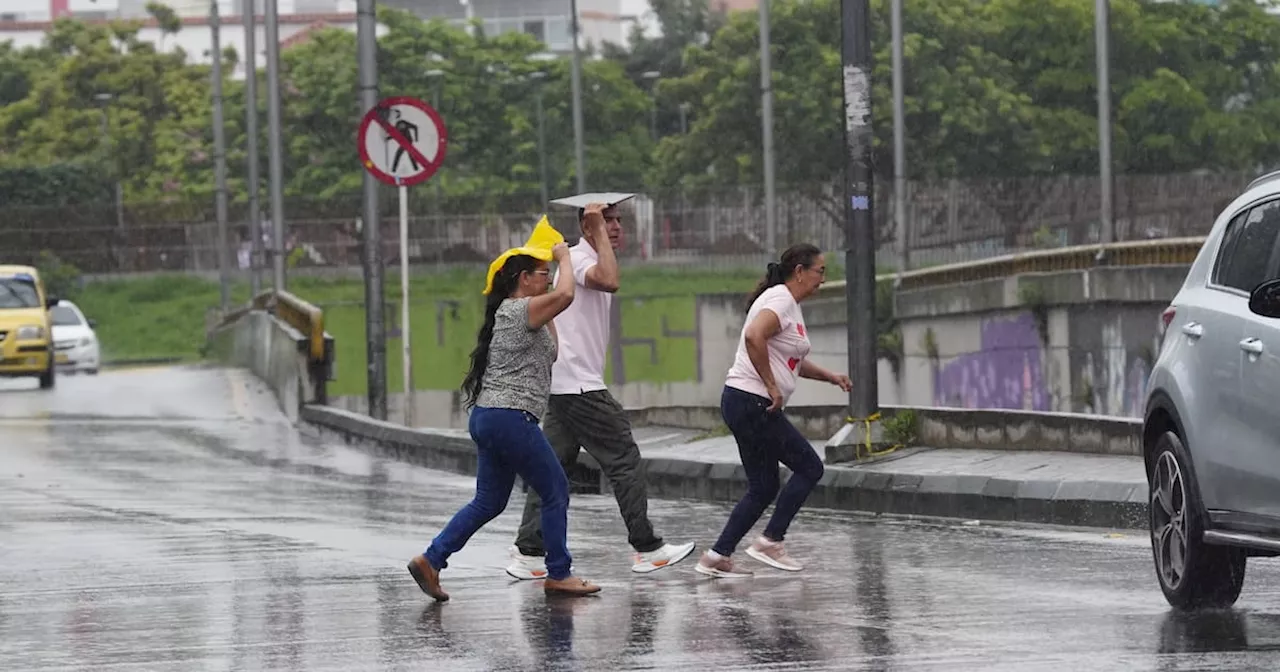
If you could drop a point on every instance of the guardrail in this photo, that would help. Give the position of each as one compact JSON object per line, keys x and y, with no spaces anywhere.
{"x":1167,"y":251}
{"x":298,"y":314}
{"x":308,"y":319}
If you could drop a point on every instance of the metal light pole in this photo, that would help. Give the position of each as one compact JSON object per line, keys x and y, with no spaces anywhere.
{"x":684,"y":118}
{"x":860,"y":239}
{"x":653,"y":76}
{"x":766,"y":122}
{"x":275,"y":169}
{"x":1102,"y":9}
{"x":542,"y":138}
{"x":251,"y":145}
{"x":899,"y":141}
{"x":375,"y":323}
{"x":437,"y":79}
{"x":105,"y":99}
{"x":579,"y":139}
{"x":220,"y":159}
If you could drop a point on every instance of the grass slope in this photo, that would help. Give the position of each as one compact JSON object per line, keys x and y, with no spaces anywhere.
{"x":165,"y":317}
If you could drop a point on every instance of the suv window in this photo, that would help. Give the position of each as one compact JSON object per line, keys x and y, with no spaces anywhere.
{"x":1247,"y":247}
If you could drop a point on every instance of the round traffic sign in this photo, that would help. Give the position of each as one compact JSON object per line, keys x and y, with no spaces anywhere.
{"x":402,"y":141}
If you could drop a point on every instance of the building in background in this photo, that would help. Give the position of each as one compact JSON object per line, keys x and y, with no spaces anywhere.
{"x":732,"y":5}
{"x":25,"y":22}
{"x":547,"y":20}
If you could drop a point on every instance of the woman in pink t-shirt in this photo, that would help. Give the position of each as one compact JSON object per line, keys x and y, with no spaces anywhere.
{"x":772,"y":354}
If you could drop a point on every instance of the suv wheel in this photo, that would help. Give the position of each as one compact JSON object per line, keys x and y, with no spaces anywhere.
{"x":1192,"y":574}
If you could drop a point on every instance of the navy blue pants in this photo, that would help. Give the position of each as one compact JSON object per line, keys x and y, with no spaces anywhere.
{"x":766,"y":439}
{"x":509,"y":442}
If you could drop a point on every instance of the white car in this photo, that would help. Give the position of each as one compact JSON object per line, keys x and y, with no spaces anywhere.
{"x":74,"y":341}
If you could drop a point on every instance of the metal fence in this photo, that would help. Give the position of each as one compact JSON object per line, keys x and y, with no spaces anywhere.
{"x":947,"y":221}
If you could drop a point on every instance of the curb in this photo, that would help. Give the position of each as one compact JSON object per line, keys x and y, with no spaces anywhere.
{"x":846,"y":488}
{"x":152,"y":361}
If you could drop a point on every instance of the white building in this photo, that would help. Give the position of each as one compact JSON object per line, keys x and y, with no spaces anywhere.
{"x":25,"y":22}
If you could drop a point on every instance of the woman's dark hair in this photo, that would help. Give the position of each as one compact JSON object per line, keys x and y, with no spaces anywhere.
{"x":781,"y":270}
{"x":504,"y":283}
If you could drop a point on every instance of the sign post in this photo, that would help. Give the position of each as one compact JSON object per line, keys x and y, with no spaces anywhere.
{"x":402,"y":143}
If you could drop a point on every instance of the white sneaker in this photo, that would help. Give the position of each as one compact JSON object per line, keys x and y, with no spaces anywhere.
{"x":526,"y":567}
{"x":663,"y":557}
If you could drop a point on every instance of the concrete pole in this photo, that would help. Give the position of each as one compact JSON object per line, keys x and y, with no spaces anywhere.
{"x":1102,"y":9}
{"x":766,"y":120}
{"x":860,"y":239}
{"x":375,"y":322}
{"x":899,"y":142}
{"x":220,"y":159}
{"x":579,"y":139}
{"x":251,"y":145}
{"x":274,"y":156}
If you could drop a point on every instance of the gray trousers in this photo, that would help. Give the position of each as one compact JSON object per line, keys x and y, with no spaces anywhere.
{"x":594,"y":421}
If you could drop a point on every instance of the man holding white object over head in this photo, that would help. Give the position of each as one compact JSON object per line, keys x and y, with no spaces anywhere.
{"x":581,"y":412}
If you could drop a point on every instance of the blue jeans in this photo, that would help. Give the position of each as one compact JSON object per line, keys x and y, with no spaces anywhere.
{"x":765,"y":439}
{"x":509,"y":442}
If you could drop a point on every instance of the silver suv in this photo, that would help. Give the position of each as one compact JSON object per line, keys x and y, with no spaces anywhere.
{"x":1211,"y":435}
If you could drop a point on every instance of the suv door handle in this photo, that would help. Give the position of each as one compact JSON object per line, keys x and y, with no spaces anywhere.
{"x":1193,"y":329}
{"x":1252,"y":346}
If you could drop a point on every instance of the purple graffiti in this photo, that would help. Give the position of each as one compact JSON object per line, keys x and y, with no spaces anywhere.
{"x":1007,"y":372}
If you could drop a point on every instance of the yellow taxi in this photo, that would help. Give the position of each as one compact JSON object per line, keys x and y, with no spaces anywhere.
{"x":26,"y":336}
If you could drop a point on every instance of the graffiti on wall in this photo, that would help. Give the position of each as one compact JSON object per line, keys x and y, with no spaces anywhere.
{"x":1006,"y":372}
{"x":1011,"y":370}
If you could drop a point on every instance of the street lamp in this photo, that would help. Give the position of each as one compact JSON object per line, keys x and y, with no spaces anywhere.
{"x":436,"y":75}
{"x":540,"y":76}
{"x":105,"y":99}
{"x":653,"y":76}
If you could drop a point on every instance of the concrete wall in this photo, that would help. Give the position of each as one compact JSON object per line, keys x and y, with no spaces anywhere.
{"x":274,"y":351}
{"x":1071,"y":341}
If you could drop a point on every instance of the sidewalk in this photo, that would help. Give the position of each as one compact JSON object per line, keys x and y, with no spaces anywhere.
{"x":1036,"y":487}
{"x":1032,"y":487}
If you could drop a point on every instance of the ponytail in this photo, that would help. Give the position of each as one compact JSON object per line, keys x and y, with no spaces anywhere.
{"x":778,"y":272}
{"x":504,"y":285}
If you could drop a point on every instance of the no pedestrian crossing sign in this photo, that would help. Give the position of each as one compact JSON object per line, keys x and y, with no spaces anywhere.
{"x":402,"y":141}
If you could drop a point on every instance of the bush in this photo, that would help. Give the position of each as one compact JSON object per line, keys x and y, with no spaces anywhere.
{"x":61,"y":279}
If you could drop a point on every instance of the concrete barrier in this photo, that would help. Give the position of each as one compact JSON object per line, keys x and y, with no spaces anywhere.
{"x":274,"y":351}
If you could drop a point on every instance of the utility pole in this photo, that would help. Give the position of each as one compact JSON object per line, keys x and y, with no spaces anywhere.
{"x":220,"y":159}
{"x":899,"y":142}
{"x":579,"y":139}
{"x":1102,"y":30}
{"x":251,"y":145}
{"x":276,"y":160}
{"x":766,"y":117}
{"x":375,"y":322}
{"x":860,"y":239}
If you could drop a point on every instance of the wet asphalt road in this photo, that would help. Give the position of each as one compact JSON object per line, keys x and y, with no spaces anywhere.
{"x":171,"y":520}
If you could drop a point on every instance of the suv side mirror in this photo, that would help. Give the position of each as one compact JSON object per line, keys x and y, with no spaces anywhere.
{"x":93,"y":324}
{"x":1265,"y":299}
{"x":50,"y":302}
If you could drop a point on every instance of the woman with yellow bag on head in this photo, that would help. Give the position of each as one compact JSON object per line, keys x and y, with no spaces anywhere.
{"x":506,"y":390}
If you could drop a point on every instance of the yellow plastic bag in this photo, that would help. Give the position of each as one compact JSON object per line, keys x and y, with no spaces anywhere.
{"x":543,"y":238}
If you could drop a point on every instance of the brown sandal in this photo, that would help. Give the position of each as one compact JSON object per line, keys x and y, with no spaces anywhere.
{"x":570,"y":586}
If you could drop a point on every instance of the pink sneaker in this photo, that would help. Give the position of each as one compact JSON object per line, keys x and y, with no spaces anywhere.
{"x":720,"y":568}
{"x":774,"y":554}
